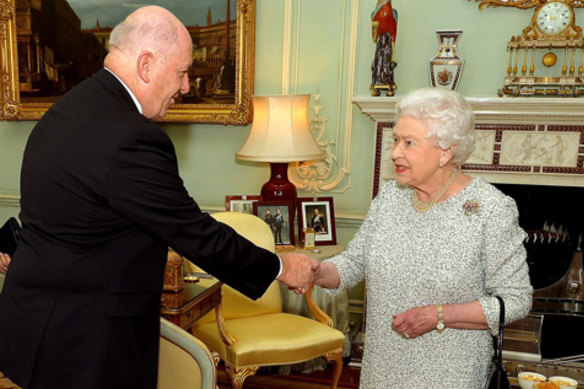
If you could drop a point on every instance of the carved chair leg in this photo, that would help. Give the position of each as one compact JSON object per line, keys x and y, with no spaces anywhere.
{"x":216,"y":358}
{"x":239,"y":375}
{"x":337,"y":358}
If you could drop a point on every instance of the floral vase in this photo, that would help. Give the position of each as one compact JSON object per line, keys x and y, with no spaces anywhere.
{"x":445,"y":68}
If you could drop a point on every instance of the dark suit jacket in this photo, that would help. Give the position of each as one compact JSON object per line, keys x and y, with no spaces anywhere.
{"x":101,"y":201}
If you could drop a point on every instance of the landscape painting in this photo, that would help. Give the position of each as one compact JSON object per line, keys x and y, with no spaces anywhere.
{"x":55,"y":44}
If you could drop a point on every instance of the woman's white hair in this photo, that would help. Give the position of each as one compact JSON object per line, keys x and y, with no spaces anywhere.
{"x":449,"y":118}
{"x":153,"y":29}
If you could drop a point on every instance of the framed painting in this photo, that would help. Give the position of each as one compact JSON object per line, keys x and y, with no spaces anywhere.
{"x":243,"y":203}
{"x":318,"y":215}
{"x":47,"y":47}
{"x":279,"y":216}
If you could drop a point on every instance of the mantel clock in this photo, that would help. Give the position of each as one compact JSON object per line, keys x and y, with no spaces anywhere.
{"x":552,"y":34}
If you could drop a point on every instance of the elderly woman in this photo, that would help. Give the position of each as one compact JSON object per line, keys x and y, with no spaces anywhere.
{"x":435,"y":248}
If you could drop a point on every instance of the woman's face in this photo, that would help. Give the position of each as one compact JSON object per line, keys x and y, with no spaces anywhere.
{"x":415,"y":157}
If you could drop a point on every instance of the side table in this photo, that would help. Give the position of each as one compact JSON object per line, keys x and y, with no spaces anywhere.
{"x":183,"y":308}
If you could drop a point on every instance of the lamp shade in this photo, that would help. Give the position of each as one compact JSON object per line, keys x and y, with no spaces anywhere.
{"x":280,"y":131}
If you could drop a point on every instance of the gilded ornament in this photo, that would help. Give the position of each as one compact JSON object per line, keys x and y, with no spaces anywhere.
{"x":553,"y":34}
{"x":549,"y":59}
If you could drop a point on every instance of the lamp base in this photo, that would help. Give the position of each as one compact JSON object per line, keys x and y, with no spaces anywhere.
{"x":278,"y":188}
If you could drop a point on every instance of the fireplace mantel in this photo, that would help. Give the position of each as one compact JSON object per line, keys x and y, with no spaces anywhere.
{"x":488,"y":109}
{"x":532,"y":141}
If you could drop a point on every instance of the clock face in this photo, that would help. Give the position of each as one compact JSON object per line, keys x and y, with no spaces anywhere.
{"x":554,"y":17}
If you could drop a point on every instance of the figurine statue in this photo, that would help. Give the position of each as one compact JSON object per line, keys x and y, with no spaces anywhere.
{"x":384,"y":28}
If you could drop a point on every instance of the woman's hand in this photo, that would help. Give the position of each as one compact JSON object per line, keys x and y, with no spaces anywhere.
{"x":4,"y":262}
{"x":419,"y":320}
{"x":416,"y":321}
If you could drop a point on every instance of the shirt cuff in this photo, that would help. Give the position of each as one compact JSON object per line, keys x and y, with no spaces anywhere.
{"x":279,"y":271}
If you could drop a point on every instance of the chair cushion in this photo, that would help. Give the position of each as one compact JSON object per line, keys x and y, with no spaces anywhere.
{"x":274,"y":339}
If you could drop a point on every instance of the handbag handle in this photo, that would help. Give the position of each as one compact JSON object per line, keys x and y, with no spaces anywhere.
{"x":499,"y":343}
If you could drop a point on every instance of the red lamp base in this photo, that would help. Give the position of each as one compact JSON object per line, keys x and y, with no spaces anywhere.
{"x":278,"y":188}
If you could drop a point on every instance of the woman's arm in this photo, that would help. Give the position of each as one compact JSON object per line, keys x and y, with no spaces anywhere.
{"x":465,"y":316}
{"x":504,"y":264}
{"x":420,"y":320}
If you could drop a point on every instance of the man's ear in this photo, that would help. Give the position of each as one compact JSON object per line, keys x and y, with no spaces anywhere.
{"x":144,"y":64}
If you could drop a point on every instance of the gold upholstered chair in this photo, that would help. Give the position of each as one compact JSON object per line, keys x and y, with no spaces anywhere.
{"x":184,"y":362}
{"x":247,"y":334}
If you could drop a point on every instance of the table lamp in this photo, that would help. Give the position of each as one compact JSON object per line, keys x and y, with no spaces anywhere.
{"x":280,"y":134}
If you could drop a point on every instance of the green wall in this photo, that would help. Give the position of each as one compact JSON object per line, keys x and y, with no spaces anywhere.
{"x":327,"y":49}
{"x":330,"y":51}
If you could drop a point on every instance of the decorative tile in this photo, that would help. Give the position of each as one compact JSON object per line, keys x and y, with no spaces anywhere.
{"x":555,"y":149}
{"x":483,"y":151}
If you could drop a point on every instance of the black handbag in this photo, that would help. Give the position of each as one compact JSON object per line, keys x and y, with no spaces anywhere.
{"x":9,"y":236}
{"x":497,"y":378}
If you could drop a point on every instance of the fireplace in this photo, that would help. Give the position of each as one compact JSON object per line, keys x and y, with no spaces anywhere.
{"x":553,"y":218}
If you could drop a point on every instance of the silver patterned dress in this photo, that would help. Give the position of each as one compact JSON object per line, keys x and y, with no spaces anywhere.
{"x":466,"y":248}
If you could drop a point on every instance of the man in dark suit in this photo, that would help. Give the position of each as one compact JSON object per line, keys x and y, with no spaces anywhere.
{"x":101,"y":202}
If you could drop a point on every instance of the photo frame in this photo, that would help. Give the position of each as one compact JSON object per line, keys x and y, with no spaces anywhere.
{"x":34,"y":76}
{"x":242,"y":203}
{"x":268,"y":211}
{"x":318,"y":214}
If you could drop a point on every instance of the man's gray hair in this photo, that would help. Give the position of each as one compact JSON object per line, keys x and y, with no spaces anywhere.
{"x":449,"y":118}
{"x":155,"y":33}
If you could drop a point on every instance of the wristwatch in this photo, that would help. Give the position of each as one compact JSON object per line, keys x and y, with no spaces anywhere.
{"x":440,"y":325}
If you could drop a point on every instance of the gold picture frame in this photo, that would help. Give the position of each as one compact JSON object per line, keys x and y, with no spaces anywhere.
{"x":236,"y":111}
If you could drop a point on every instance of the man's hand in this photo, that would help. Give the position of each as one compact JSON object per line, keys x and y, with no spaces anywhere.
{"x":297,"y":271}
{"x":4,"y":262}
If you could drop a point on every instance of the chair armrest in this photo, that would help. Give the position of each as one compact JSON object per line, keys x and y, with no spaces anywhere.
{"x":195,"y":348}
{"x":225,"y":336}
{"x":318,"y":313}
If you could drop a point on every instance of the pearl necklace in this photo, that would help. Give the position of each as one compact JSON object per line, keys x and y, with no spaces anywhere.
{"x":423,"y":207}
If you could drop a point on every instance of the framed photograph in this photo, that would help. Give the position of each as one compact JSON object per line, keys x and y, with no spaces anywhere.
{"x":48,"y":47}
{"x":318,"y":214}
{"x":242,"y":203}
{"x":279,"y":215}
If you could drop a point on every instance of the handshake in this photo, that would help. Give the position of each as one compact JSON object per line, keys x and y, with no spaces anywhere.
{"x":299,"y":272}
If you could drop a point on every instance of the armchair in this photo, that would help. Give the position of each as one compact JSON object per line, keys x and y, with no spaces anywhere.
{"x":248,"y":334}
{"x":184,"y":362}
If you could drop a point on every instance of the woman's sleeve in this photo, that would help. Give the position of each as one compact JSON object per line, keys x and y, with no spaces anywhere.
{"x":351,"y":263}
{"x":505,"y":266}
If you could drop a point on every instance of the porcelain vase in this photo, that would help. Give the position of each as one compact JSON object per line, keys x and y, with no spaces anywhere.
{"x":445,"y":68}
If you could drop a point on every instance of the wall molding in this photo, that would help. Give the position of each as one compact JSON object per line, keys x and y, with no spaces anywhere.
{"x":342,"y":220}
{"x":7,"y":200}
{"x":332,"y":175}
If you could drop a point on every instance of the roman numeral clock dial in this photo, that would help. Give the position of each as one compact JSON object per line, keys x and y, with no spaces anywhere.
{"x":551,"y":39}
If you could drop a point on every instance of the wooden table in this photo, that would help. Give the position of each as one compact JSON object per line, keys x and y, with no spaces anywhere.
{"x":183,"y":308}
